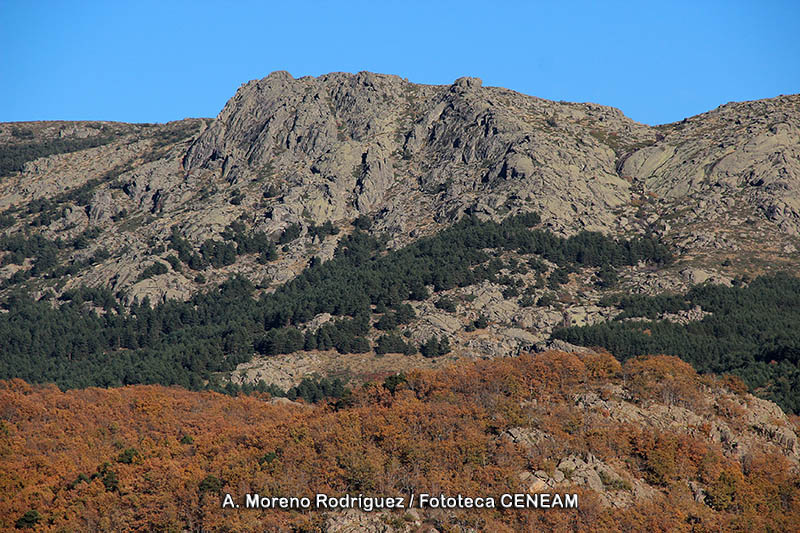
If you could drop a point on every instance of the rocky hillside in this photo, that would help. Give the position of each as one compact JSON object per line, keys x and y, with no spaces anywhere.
{"x":740,"y":152}
{"x":414,"y":158}
{"x":348,"y":144}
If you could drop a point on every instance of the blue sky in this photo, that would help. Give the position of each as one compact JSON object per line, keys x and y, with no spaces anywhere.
{"x":157,"y":61}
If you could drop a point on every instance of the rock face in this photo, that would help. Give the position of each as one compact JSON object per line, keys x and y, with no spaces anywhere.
{"x":723,"y":184}
{"x":349,"y":144}
{"x":748,"y":149}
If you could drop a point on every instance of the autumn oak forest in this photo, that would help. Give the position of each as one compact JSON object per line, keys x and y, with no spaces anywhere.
{"x":152,"y":458}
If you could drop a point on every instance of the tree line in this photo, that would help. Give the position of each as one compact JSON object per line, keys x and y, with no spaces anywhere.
{"x":752,"y":332}
{"x":14,"y":156}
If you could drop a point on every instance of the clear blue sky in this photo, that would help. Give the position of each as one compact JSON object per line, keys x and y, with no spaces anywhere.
{"x":145,"y":61}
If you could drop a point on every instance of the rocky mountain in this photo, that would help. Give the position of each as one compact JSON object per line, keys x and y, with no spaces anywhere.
{"x":744,"y":152}
{"x":286,"y":156}
{"x":369,"y":143}
{"x":352,"y":239}
{"x":415,"y":158}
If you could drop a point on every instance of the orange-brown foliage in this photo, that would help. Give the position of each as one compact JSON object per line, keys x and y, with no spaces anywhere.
{"x":68,"y":454}
{"x":664,"y":378}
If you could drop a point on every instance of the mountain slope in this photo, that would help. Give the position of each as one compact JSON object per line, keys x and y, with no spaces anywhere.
{"x":748,"y":151}
{"x":294,"y":168}
{"x":366,"y":141}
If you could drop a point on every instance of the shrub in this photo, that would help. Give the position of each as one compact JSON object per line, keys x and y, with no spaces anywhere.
{"x":392,"y":382}
{"x":128,"y":456}
{"x":434,"y":347}
{"x":174,"y":262}
{"x":546,"y":300}
{"x":210,"y":484}
{"x":393,"y":344}
{"x":29,"y":519}
{"x":363,"y":222}
{"x":446,"y":304}
{"x":155,"y":269}
{"x":290,"y":233}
